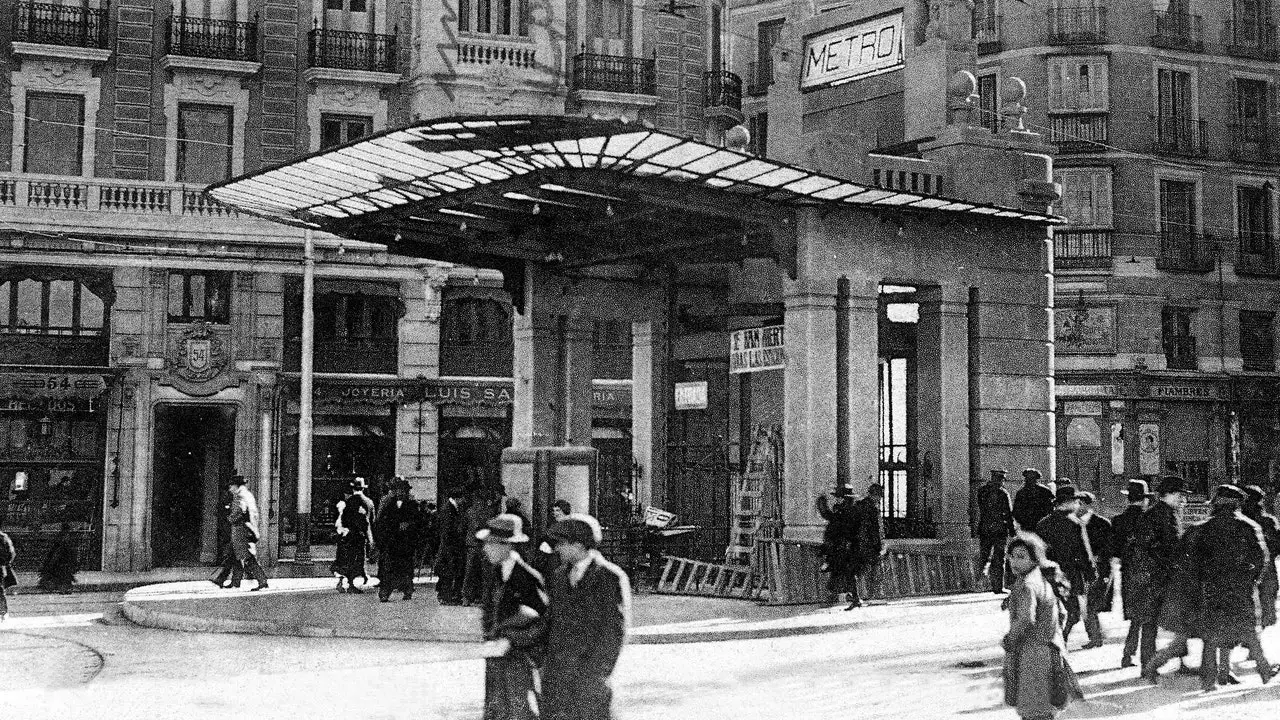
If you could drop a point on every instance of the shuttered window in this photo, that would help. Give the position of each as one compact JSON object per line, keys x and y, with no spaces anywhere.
{"x":1086,"y":196}
{"x":54,"y":134}
{"x":1079,"y":84}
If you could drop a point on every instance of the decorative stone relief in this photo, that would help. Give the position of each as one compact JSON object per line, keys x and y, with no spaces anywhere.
{"x":500,"y":84}
{"x":197,"y":358}
{"x":52,"y":73}
{"x":349,"y":96}
{"x":200,"y":86}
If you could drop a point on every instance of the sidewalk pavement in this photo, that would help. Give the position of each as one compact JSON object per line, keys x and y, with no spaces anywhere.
{"x":310,"y":607}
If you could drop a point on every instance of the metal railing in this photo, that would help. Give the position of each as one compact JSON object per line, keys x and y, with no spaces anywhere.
{"x":1181,"y":251}
{"x":1178,"y":31}
{"x":1081,"y":248}
{"x":759,"y":77}
{"x":1250,"y":39}
{"x":218,"y":39}
{"x":1079,"y":132}
{"x":721,"y":88}
{"x":1257,"y":255}
{"x":1254,"y":141}
{"x":987,"y":33}
{"x":1180,"y":352}
{"x":53,"y":24}
{"x":612,"y":73}
{"x":1079,"y":24}
{"x":345,"y":50}
{"x":1181,"y":135}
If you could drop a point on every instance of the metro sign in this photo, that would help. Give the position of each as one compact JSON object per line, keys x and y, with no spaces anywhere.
{"x":853,"y":52}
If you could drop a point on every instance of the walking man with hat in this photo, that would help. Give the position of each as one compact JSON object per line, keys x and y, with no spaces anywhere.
{"x":839,"y":541}
{"x":1098,"y":532}
{"x":513,"y":618}
{"x":1122,"y":533}
{"x":1155,"y":552}
{"x":243,"y":517}
{"x":869,"y":543}
{"x":587,"y":624}
{"x":1228,"y":554}
{"x":1068,"y":545}
{"x":1033,"y":501}
{"x":396,"y":534}
{"x":995,"y":527}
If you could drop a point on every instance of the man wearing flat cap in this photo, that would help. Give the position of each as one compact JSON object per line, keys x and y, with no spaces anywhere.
{"x":1068,"y":545}
{"x":1267,"y":586}
{"x":1122,"y":533}
{"x":995,"y":527}
{"x":1155,"y":552}
{"x":513,"y":618}
{"x":1228,"y":554}
{"x":1033,"y":501}
{"x":586,"y":625}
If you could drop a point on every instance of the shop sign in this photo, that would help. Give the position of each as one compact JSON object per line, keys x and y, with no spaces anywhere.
{"x":867,"y":48}
{"x":691,"y":395}
{"x":1064,"y":391}
{"x":1085,"y":331}
{"x":462,"y":392}
{"x":1184,"y":392}
{"x":52,"y":405}
{"x":41,"y":386}
{"x":756,"y":349}
{"x":362,"y":393}
{"x":611,"y":396}
{"x":1194,"y":513}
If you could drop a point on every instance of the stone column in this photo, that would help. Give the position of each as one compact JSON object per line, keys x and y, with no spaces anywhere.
{"x":862,"y":385}
{"x":942,"y":405}
{"x":577,"y":367}
{"x":552,"y":366}
{"x":809,"y":383}
{"x":649,"y":397}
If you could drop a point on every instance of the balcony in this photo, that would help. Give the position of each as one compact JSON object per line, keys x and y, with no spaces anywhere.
{"x":1077,"y":25}
{"x":1081,"y":249}
{"x":722,"y":95}
{"x":759,"y":77}
{"x":987,"y":34}
{"x":1184,"y":252}
{"x":1250,"y":40}
{"x":215,"y":39}
{"x":1178,"y":31}
{"x":1079,"y":132}
{"x":1180,"y":352}
{"x":892,"y":172}
{"x":1257,"y":256}
{"x":1181,"y":136}
{"x":610,"y":73}
{"x":1254,"y":141}
{"x":346,"y":355}
{"x":343,"y":50}
{"x":68,"y":25}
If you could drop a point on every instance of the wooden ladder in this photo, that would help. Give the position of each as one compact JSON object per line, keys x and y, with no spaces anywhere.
{"x":682,"y":576}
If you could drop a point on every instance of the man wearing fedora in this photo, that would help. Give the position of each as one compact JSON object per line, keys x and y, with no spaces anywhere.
{"x":396,"y":533}
{"x":1228,"y":554}
{"x":839,"y":542}
{"x":242,"y":514}
{"x":1122,"y":534}
{"x":1155,"y":552}
{"x":451,"y":550}
{"x":1068,"y":545}
{"x":1100,"y":534}
{"x":995,"y":527}
{"x":868,"y":546}
{"x":1032,"y":502}
{"x":586,"y":624}
{"x":513,"y":619}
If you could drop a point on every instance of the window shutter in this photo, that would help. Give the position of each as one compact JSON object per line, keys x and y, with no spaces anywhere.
{"x":1070,"y":181}
{"x":1057,"y":82}
{"x":1100,"y":97}
{"x":1102,"y":198}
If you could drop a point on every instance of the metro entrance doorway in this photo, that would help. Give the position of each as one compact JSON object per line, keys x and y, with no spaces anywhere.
{"x":194,"y":451}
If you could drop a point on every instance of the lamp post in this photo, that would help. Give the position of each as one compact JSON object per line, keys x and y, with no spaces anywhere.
{"x":302,"y":553}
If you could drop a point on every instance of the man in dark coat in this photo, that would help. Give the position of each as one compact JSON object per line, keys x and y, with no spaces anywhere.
{"x":395,"y":531}
{"x":586,"y":626}
{"x":1032,"y":502}
{"x":1098,"y":531}
{"x":451,"y":554}
{"x":484,"y":506}
{"x":869,"y":547}
{"x":1155,"y":546}
{"x":995,"y":527}
{"x":1069,"y":547}
{"x":1228,"y":555}
{"x":838,"y":541}
{"x":7,"y":577}
{"x":513,"y":619}
{"x":1180,"y":612}
{"x":1267,"y":585}
{"x":1122,"y":532}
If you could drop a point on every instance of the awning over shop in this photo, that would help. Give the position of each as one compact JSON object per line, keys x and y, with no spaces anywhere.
{"x":579,"y":192}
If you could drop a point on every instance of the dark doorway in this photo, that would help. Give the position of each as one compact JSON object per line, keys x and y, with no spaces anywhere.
{"x":470,"y":449}
{"x":194,"y":455}
{"x":698,"y":470}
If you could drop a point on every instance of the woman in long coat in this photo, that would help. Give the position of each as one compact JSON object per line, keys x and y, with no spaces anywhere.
{"x":355,"y":536}
{"x":1034,"y":641}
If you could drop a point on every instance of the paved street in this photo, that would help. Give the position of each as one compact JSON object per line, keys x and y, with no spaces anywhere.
{"x":75,"y":657}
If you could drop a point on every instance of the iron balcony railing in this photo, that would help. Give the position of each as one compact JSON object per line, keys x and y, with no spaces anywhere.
{"x":53,"y":24}
{"x":219,"y":39}
{"x":1257,"y":255}
{"x":987,"y":33}
{"x":1079,"y":132}
{"x":1081,"y":248}
{"x":721,"y":88}
{"x":1077,"y":24}
{"x":1255,"y":141}
{"x":1181,"y":136}
{"x":1250,"y":39}
{"x":1181,"y":251}
{"x":1178,"y":31}
{"x":759,"y":77}
{"x":347,"y":50}
{"x":1180,"y":352}
{"x":612,"y":73}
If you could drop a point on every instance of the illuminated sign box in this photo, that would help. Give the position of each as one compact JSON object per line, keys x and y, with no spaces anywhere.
{"x":852,"y":52}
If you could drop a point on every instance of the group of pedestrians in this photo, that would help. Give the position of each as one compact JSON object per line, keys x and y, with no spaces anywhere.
{"x":853,"y":541}
{"x":1215,"y":582}
{"x":395,"y":527}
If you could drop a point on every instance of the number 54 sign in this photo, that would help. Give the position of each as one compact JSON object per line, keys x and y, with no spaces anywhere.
{"x":29,"y":386}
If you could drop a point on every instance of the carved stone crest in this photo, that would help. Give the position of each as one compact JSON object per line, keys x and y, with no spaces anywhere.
{"x":197,"y":361}
{"x":501,"y":83}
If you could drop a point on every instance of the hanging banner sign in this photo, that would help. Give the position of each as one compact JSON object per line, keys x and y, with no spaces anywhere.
{"x":756,"y":349}
{"x":857,"y":51}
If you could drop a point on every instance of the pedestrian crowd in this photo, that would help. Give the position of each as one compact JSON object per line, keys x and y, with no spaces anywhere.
{"x":1213,"y":581}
